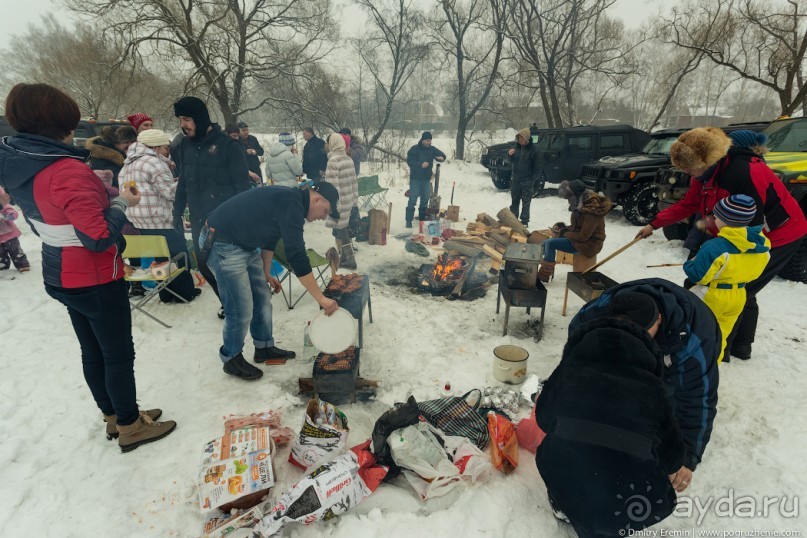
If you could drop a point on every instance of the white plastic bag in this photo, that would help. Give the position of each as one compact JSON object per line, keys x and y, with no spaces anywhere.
{"x":431,"y":468}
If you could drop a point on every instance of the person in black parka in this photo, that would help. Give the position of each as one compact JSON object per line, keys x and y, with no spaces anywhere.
{"x":689,"y":337}
{"x":212,"y":169}
{"x":315,"y":157}
{"x":524,"y":157}
{"x":611,"y":437}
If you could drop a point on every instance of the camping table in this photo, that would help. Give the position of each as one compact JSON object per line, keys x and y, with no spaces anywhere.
{"x":355,"y":302}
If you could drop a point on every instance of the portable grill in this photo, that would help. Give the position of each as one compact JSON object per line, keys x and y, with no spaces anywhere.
{"x":519,"y":284}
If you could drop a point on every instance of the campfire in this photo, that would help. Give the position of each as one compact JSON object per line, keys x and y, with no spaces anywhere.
{"x":448,"y":269}
{"x":453,"y":275}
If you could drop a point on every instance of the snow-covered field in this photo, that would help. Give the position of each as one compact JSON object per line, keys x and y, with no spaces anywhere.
{"x":61,"y":477}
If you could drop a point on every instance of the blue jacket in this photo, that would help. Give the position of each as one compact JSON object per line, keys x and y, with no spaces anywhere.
{"x":690,"y":339}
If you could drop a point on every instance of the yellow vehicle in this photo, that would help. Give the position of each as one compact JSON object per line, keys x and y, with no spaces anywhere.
{"x":787,"y":142}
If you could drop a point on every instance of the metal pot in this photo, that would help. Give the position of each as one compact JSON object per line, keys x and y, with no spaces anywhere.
{"x":510,"y":364}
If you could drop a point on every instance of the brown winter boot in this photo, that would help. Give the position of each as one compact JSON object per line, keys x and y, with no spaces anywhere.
{"x":112,"y":422}
{"x":142,"y":431}
{"x":547,"y":271}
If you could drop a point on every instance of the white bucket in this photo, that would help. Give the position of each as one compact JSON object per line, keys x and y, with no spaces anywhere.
{"x":510,"y":364}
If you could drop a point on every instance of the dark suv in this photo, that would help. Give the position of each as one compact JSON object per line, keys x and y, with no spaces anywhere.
{"x":561,"y":152}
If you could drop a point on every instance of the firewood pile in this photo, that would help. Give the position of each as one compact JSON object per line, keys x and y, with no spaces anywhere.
{"x":490,"y":236}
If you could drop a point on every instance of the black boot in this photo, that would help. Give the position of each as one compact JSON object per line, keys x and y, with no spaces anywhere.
{"x":241,"y":369}
{"x":271,"y":353}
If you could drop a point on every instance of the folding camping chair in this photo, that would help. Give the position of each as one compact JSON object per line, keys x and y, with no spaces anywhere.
{"x":370,"y":192}
{"x":318,"y":267}
{"x":153,"y":246}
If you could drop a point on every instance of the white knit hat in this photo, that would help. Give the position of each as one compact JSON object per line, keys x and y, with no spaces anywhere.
{"x":153,"y":138}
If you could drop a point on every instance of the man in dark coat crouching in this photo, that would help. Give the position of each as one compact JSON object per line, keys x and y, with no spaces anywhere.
{"x":611,"y":437}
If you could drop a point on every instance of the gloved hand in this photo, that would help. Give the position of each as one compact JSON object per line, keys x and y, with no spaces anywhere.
{"x":179,"y":225}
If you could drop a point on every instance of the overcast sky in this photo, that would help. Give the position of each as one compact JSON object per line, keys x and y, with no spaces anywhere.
{"x":15,"y":20}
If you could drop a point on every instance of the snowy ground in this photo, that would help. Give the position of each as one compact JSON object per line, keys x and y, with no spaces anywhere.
{"x":62,"y":478}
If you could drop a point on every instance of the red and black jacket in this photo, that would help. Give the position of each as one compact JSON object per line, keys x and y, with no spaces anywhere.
{"x":67,"y":206}
{"x":742,"y":172}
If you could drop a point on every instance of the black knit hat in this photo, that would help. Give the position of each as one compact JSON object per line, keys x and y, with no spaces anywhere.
{"x":639,"y":308}
{"x":425,"y":136}
{"x":329,"y":192}
{"x":196,"y":109}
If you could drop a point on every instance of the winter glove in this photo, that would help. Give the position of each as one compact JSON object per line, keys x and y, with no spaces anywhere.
{"x":179,"y":225}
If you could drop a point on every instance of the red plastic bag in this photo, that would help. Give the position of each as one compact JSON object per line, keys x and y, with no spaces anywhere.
{"x":529,"y":434}
{"x":503,"y":443}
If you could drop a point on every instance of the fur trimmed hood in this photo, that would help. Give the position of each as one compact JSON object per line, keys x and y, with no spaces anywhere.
{"x":594,"y":203}
{"x":101,"y":150}
{"x":699,"y":148}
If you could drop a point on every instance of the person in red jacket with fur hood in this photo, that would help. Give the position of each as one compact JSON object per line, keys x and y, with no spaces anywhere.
{"x":720,"y":170}
{"x":67,"y":206}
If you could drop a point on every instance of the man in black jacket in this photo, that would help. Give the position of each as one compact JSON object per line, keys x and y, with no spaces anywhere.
{"x":212,"y":168}
{"x":252,"y":149}
{"x":420,"y":160}
{"x":690,"y":340}
{"x":525,"y":172}
{"x":315,"y":158}
{"x":239,"y":240}
{"x":610,"y":431}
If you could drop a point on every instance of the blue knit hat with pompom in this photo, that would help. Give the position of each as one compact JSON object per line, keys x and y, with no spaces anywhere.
{"x":747,"y":139}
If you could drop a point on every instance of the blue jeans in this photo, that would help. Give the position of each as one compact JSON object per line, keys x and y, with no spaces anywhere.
{"x":245,"y":296}
{"x":554,"y":244}
{"x":419,"y":188}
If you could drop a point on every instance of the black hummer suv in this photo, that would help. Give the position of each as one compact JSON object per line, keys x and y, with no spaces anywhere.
{"x":561,"y":152}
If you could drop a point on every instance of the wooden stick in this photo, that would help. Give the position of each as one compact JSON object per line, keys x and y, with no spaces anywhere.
{"x":665,"y":265}
{"x":613,"y":255}
{"x":389,"y":219}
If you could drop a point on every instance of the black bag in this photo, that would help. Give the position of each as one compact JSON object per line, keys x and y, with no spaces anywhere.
{"x":354,"y":222}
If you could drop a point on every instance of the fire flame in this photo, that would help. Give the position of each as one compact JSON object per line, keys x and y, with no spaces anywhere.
{"x":445,"y":267}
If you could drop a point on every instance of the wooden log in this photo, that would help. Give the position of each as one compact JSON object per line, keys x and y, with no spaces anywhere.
{"x":495,"y":266}
{"x":507,"y":218}
{"x":494,"y":254}
{"x":488,"y":220}
{"x":499,"y":238}
{"x":518,"y":238}
{"x":462,"y":248}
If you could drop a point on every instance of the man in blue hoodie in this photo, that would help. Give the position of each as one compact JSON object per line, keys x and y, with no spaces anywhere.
{"x":689,"y":337}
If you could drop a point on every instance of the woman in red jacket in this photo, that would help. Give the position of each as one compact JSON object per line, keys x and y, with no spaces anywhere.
{"x":68,"y":208}
{"x":719,"y":170}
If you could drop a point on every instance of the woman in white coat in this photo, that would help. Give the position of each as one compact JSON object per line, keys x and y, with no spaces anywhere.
{"x":341,"y":173}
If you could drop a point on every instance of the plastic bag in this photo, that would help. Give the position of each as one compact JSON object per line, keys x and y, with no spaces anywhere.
{"x":323,"y":435}
{"x":400,"y":416}
{"x":504,"y":444}
{"x":330,"y":490}
{"x":435,"y":463}
{"x":529,"y":434}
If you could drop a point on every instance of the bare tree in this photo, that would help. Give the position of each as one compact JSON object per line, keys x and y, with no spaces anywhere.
{"x":393,"y":46}
{"x":763,"y":42}
{"x":82,"y":63}
{"x":561,"y":42}
{"x":471,"y":33}
{"x":228,"y":44}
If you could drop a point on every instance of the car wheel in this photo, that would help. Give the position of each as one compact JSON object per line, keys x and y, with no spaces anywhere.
{"x":796,"y":268}
{"x":501,"y":179}
{"x":679,"y":230}
{"x":640,"y":204}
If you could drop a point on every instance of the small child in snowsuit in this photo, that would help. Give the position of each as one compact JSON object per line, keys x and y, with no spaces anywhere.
{"x":10,"y":249}
{"x":725,"y":264}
